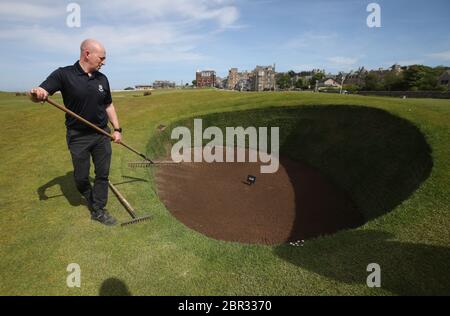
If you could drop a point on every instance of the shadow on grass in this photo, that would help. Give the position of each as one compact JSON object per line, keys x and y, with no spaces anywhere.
{"x":132,"y":179}
{"x":114,"y":287}
{"x":67,"y":186}
{"x":406,"y":268}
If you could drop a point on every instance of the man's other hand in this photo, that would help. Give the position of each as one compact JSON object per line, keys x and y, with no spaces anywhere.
{"x":117,"y":137}
{"x":38,"y":94}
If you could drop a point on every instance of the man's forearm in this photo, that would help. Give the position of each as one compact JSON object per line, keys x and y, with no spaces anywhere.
{"x":112,"y":115}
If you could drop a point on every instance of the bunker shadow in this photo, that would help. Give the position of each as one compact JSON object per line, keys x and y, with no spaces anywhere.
{"x":406,"y":268}
{"x":374,"y":160}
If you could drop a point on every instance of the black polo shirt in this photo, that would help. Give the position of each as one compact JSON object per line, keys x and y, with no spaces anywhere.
{"x":84,"y":95}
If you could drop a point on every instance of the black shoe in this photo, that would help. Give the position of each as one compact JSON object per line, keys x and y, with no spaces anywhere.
{"x":103,"y":217}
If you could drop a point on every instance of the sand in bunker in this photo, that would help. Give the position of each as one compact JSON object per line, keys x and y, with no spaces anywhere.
{"x":292,"y":204}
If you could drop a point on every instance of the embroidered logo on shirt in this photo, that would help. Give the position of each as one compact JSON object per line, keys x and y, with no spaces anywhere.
{"x":100,"y":88}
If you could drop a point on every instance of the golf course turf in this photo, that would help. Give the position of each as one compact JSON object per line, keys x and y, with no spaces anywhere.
{"x":388,"y":156}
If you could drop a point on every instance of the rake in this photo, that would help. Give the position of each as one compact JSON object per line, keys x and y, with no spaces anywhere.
{"x":135,"y":219}
{"x":98,"y":129}
{"x":144,"y":164}
{"x":147,"y":162}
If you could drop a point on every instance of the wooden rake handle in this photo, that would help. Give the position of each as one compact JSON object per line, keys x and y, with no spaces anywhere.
{"x":122,"y":200}
{"x":98,"y":129}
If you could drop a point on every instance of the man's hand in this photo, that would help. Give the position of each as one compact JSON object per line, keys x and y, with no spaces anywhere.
{"x":117,"y":137}
{"x":38,"y":94}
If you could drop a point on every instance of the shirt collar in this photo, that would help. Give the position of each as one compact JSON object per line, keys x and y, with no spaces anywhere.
{"x":80,"y":70}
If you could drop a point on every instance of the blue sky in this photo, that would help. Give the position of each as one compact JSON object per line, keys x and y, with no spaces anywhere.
{"x":170,"y":39}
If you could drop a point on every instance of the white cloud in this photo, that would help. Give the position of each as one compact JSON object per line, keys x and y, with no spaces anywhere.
{"x":150,"y":43}
{"x":193,"y":10}
{"x":224,"y":13}
{"x":13,"y":10}
{"x":342,"y":61}
{"x":137,"y":31}
{"x":441,"y":56}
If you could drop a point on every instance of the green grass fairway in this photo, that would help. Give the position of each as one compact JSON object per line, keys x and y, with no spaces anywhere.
{"x":391,"y":155}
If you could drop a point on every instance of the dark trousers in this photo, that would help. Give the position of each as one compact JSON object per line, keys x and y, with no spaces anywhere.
{"x":83,"y":145}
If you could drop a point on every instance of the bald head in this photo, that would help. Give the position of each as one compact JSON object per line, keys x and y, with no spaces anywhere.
{"x":91,"y":45}
{"x":92,"y":55}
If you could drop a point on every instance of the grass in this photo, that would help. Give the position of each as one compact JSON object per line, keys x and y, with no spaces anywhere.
{"x":44,"y":226}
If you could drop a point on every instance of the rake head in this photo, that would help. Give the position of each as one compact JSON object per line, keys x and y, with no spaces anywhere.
{"x":146,"y":164}
{"x":136,"y":220}
{"x":140,"y":164}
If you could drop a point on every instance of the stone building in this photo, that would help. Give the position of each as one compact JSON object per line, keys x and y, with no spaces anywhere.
{"x":237,"y":80}
{"x":263,"y":78}
{"x":205,"y":78}
{"x":233,"y":78}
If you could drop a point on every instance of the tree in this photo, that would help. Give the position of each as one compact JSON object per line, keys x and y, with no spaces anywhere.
{"x":394,"y":82}
{"x":372,"y":82}
{"x":301,"y":84}
{"x":429,"y":81}
{"x":420,"y":77}
{"x":194,"y":82}
{"x":352,"y":88}
{"x":284,"y":81}
{"x":417,"y":76}
{"x":316,"y":77}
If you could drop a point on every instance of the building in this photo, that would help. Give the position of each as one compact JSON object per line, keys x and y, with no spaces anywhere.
{"x":244,"y":84}
{"x":329,"y":83}
{"x":237,"y":80}
{"x":263,"y":78}
{"x":357,"y":77}
{"x":143,"y":87}
{"x":233,"y":78}
{"x":381,"y":73}
{"x":220,"y":83}
{"x":163,"y":84}
{"x":205,"y":78}
{"x":396,"y":68}
{"x":308,"y":75}
{"x":444,"y":79}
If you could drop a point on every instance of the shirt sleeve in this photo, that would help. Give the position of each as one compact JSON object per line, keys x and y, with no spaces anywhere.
{"x":53,"y":82}
{"x":108,"y":97}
